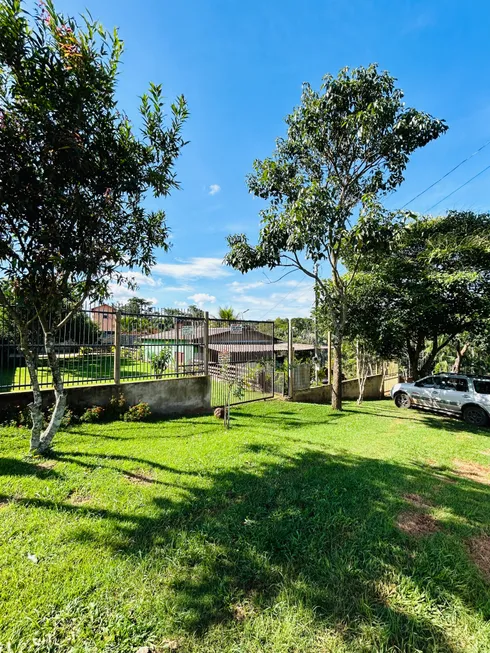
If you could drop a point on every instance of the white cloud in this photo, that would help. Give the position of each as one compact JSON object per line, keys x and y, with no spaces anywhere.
{"x":214,"y":188}
{"x":141,"y":279}
{"x":238,"y":286}
{"x":294,"y":283}
{"x":201,"y":298}
{"x":181,"y":304}
{"x":183,"y":288}
{"x":296,"y":303}
{"x":119,"y":294}
{"x":194,"y":268}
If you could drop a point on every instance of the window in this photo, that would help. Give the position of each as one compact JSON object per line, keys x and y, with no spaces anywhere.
{"x":453,"y":383}
{"x":105,"y":316}
{"x":428,"y":382}
{"x":482,"y":387}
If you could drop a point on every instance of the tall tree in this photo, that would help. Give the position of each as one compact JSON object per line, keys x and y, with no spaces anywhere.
{"x":431,"y":291}
{"x":346,"y":145}
{"x":137,"y":305}
{"x":74,"y":177}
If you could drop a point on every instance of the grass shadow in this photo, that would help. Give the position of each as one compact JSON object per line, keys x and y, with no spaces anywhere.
{"x":316,"y":530}
{"x":16,"y":467}
{"x":427,"y":417}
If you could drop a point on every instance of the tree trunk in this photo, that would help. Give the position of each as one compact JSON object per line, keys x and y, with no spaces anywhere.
{"x":59,"y":394}
{"x":337,"y":373}
{"x":460,"y":353}
{"x":362,"y":366}
{"x":413,"y":357}
{"x":36,"y":406}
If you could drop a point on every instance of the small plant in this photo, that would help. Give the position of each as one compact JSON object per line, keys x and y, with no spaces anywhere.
{"x":160,"y":362}
{"x":93,"y":414}
{"x":117,"y":407}
{"x":83,"y":351}
{"x":138,"y":413}
{"x":132,"y":354}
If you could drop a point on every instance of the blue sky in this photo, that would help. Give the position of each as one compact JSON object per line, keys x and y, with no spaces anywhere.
{"x":241,"y":66}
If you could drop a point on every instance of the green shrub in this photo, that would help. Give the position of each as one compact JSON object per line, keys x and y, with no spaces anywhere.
{"x":138,"y":413}
{"x":161,"y":361}
{"x":16,"y":415}
{"x":93,"y":414}
{"x":117,"y":407}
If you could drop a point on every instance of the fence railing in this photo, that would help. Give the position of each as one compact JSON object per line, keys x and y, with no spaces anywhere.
{"x":104,"y":344}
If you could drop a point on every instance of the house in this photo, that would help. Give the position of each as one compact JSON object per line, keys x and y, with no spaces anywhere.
{"x":238,"y":343}
{"x":104,"y":317}
{"x":235,"y":343}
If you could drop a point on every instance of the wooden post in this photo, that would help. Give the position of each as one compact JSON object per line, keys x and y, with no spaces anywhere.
{"x":329,"y":358}
{"x":117,"y":348}
{"x":290,"y":360}
{"x":206,"y":344}
{"x":315,"y":272}
{"x":177,"y":336}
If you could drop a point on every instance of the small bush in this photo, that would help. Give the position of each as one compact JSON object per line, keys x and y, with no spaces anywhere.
{"x":117,"y":407}
{"x":138,"y":413}
{"x":161,"y":361}
{"x":92,"y":415}
{"x":21,"y":417}
{"x":66,"y":421}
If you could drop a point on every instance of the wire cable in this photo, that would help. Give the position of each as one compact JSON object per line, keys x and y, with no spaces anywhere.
{"x":447,"y":174}
{"x":459,"y":188}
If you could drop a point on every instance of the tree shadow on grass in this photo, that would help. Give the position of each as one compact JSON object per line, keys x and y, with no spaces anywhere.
{"x":16,"y":467}
{"x":315,"y":531}
{"x":423,"y":416}
{"x":293,"y":421}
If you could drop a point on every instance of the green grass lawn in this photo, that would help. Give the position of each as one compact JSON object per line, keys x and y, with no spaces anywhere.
{"x":298,"y":530}
{"x":79,"y":370}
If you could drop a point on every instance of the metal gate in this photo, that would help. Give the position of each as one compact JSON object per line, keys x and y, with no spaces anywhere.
{"x":241,"y":360}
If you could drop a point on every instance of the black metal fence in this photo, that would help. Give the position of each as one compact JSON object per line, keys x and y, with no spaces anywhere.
{"x":103,"y":344}
{"x":241,"y":360}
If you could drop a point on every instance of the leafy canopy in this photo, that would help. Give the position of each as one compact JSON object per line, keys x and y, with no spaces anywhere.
{"x":433,"y":286}
{"x":75,"y":173}
{"x":346,"y":144}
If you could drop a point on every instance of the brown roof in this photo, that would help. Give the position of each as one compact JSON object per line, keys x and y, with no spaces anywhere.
{"x":278,"y":346}
{"x":197,"y":333}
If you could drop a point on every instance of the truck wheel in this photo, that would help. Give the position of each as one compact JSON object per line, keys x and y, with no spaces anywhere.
{"x":475,"y":415}
{"x":402,"y":400}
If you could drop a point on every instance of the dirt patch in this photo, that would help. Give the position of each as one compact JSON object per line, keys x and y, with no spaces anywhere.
{"x":78,"y":499}
{"x":140,"y":477}
{"x":3,"y":504}
{"x":242,"y":611}
{"x":473,"y":471}
{"x":486,"y":452}
{"x":47,"y":464}
{"x":416,"y":523}
{"x":417,"y":501}
{"x":479,"y":550}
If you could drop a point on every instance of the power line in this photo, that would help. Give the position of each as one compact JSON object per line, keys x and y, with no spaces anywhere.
{"x":459,"y":188}
{"x":447,"y":174}
{"x":279,"y":302}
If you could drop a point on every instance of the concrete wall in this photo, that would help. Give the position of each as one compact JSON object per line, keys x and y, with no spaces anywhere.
{"x":186,"y":396}
{"x":374,"y":389}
